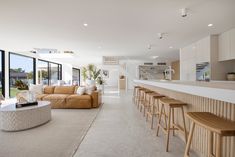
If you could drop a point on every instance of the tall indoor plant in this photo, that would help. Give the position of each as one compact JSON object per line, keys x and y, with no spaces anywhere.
{"x":90,"y":74}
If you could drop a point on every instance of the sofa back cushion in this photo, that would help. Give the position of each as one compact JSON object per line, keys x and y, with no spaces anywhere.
{"x":49,"y":89}
{"x":64,"y":90}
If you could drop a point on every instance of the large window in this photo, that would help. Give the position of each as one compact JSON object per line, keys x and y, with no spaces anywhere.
{"x":2,"y":72}
{"x":49,"y":73}
{"x":21,"y":72}
{"x":76,"y":76}
{"x":43,"y":72}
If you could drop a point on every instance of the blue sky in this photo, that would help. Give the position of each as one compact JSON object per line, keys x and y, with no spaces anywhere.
{"x":25,"y":63}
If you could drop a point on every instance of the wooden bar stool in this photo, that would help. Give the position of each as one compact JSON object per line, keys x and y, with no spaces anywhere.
{"x":135,"y":94}
{"x":154,"y":109}
{"x":140,"y":96}
{"x":216,"y":125}
{"x":145,"y":103}
{"x":171,"y":104}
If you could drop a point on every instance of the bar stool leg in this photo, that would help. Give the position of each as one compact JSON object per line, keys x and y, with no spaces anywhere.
{"x":185,"y":131}
{"x":192,"y":127}
{"x":173,"y":121}
{"x":165,"y":121}
{"x":168,"y":129}
{"x":210,"y":144}
{"x":160,"y":118}
{"x":218,"y":146}
{"x":153,"y":113}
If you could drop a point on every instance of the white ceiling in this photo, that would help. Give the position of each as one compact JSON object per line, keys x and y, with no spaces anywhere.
{"x":120,"y":27}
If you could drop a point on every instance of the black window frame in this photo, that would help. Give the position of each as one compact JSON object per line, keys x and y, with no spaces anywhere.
{"x":49,"y":70}
{"x":3,"y":71}
{"x":79,"y":75}
{"x":9,"y":66}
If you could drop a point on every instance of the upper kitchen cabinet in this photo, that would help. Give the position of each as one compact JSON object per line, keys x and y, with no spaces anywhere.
{"x":227,"y":45}
{"x":202,"y":48}
{"x":232,"y":43}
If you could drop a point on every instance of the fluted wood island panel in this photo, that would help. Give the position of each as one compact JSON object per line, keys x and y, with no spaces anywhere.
{"x":200,"y":104}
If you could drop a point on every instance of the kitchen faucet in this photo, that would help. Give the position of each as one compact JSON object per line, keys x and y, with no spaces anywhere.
{"x":168,"y":72}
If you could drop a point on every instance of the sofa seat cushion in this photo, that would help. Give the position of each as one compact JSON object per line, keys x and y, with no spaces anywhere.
{"x":56,"y":96}
{"x":41,"y":96}
{"x":57,"y":100}
{"x":79,"y":101}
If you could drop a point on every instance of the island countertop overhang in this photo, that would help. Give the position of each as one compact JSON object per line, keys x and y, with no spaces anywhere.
{"x":222,"y":94}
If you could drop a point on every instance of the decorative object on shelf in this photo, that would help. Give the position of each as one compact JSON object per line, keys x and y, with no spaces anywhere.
{"x":20,"y":85}
{"x":122,"y":77}
{"x":231,"y":76}
{"x":105,"y":73}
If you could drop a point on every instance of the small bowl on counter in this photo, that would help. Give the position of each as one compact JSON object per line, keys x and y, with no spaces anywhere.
{"x":231,"y":76}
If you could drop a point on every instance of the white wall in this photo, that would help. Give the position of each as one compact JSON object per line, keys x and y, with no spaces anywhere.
{"x":113,"y":78}
{"x":67,"y":72}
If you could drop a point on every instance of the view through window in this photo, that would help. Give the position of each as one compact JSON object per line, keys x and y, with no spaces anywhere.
{"x":76,"y":76}
{"x":49,"y":73}
{"x":21,"y":73}
{"x":43,"y":72}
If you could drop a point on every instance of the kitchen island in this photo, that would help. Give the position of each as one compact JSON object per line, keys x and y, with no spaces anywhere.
{"x":217,"y":97}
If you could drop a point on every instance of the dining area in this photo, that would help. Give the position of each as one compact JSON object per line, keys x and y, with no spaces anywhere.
{"x":202,"y":115}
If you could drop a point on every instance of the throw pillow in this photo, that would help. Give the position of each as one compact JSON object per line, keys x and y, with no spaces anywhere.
{"x":81,"y":90}
{"x":90,"y":89}
{"x":37,"y":89}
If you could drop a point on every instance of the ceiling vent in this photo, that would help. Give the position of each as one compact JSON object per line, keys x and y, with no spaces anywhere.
{"x":110,"y":60}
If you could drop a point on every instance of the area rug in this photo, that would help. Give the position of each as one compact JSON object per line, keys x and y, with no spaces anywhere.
{"x":58,"y":138}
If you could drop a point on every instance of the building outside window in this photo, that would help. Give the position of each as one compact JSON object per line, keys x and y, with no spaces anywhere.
{"x":21,"y":71}
{"x":49,"y":73}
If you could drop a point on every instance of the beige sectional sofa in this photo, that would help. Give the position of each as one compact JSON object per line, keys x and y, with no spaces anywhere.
{"x":66,"y":97}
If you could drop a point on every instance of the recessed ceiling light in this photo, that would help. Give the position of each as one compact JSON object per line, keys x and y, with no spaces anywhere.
{"x":85,"y":24}
{"x":210,"y":25}
{"x":170,"y":47}
{"x":154,"y":57}
{"x":99,"y":47}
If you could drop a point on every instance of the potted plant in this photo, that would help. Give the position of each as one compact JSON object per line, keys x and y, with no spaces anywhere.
{"x":20,"y":85}
{"x":90,"y":74}
{"x":100,"y":82}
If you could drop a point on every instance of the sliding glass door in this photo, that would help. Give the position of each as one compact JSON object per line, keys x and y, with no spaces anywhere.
{"x":49,"y":73}
{"x":21,"y":73}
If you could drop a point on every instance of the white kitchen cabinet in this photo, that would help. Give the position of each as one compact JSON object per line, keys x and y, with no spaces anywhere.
{"x":202,"y":48}
{"x":232,"y":44}
{"x":224,"y":46}
{"x":227,"y":45}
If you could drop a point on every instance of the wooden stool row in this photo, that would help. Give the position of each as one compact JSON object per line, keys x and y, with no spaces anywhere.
{"x":163,"y":108}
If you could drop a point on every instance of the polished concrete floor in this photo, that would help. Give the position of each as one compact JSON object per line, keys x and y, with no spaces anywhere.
{"x":121,"y":131}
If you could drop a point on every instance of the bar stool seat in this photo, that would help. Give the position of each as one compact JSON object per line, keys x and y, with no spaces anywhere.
{"x":144,"y":103}
{"x":214,"y":124}
{"x":171,"y":104}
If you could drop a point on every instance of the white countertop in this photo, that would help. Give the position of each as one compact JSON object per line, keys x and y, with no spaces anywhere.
{"x":223,"y":91}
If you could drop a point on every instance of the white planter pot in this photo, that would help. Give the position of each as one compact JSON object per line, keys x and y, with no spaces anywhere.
{"x":90,"y":82}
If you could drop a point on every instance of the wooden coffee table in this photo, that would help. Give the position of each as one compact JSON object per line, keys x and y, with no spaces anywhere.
{"x":16,"y":119}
